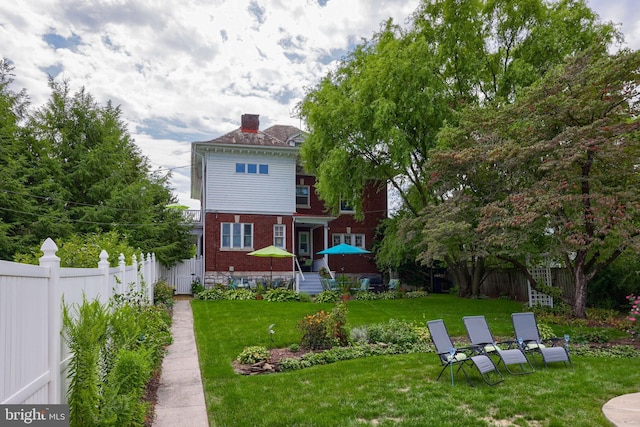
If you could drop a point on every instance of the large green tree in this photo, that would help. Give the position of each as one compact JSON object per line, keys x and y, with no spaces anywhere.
{"x":13,"y":200}
{"x":72,"y":168}
{"x":556,"y":172}
{"x":377,"y":115}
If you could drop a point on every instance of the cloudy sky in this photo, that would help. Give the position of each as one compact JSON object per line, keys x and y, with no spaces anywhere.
{"x":186,"y":70}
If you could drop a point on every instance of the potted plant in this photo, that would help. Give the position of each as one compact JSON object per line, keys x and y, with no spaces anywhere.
{"x":345,"y":288}
{"x":259,"y":291}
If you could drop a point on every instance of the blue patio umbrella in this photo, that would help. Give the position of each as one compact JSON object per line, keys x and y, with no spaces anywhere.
{"x":344,"y":249}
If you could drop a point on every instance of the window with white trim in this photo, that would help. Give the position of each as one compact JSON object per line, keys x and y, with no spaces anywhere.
{"x":302,"y":196}
{"x":346,"y":207}
{"x":252,"y":168}
{"x":279,"y":236}
{"x":236,"y":235}
{"x":356,"y":240}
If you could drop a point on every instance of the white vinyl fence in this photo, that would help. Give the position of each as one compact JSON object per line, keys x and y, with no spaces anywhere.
{"x":181,"y":275}
{"x":33,"y":356}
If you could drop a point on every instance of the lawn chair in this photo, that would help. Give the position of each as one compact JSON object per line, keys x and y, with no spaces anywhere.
{"x":480,"y":334}
{"x":528,"y":337}
{"x":364,"y":285}
{"x":471,"y":356}
{"x":394,"y":284}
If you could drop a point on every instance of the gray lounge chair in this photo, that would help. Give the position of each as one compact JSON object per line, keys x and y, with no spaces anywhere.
{"x":528,"y":337}
{"x":480,"y":334}
{"x":450,"y":355}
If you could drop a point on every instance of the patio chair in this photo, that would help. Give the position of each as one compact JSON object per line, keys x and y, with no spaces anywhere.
{"x":333,"y":285}
{"x":450,"y":355}
{"x":528,"y":337}
{"x":394,"y":284}
{"x":364,"y":285}
{"x":480,"y":334}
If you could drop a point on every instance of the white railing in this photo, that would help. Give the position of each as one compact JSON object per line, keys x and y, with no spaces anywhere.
{"x":33,"y":356}
{"x":192,"y":215}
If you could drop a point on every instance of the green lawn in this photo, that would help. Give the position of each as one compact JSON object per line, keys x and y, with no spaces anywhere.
{"x":391,"y":390}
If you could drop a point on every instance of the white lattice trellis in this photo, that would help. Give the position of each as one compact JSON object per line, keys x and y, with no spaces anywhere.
{"x":541,"y":274}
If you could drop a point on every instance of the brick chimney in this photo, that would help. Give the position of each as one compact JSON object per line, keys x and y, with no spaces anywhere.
{"x":250,"y":123}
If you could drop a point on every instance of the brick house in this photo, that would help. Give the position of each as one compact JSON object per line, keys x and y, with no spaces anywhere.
{"x":254,"y":193}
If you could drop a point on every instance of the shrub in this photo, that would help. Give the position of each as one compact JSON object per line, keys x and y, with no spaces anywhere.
{"x":597,"y":336}
{"x":416,"y":294}
{"x":163,"y":294}
{"x":314,"y":331}
{"x":281,"y":295}
{"x":323,"y":330}
{"x":327,"y":296}
{"x":397,"y":332}
{"x":546,"y":331}
{"x":304,"y":297}
{"x":253,"y":354}
{"x":213,"y":294}
{"x":365,"y":296}
{"x":239,"y":295}
{"x":294,"y":347}
{"x":196,"y":286}
{"x":114,"y":354}
{"x":390,"y":295}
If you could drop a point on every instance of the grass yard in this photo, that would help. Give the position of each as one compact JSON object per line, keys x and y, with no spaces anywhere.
{"x":395,"y":390}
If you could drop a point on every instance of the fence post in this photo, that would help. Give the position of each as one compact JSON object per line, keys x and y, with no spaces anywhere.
{"x":103,"y":265}
{"x":123,"y":274}
{"x":52,"y":262}
{"x":149,"y":277}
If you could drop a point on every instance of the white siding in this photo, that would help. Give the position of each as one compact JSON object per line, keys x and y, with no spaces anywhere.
{"x":228,"y":191}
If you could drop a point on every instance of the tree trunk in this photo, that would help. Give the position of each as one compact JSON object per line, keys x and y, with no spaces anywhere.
{"x":580,"y":293}
{"x":478,"y":273}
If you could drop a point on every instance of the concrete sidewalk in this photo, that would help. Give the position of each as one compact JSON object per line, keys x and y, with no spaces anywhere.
{"x":623,"y":410}
{"x":180,"y":394}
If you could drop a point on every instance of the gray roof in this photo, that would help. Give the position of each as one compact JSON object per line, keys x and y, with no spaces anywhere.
{"x":275,"y":136}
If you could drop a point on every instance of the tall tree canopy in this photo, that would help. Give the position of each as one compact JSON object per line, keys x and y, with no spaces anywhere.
{"x":78,"y":171}
{"x":556,"y":172}
{"x":377,"y":115}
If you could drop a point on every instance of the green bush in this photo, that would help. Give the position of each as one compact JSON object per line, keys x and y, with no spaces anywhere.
{"x":397,"y":332}
{"x":365,"y":296}
{"x":196,"y":286}
{"x":327,"y":296}
{"x":304,"y":297}
{"x":416,"y":294}
{"x":163,"y":294}
{"x":115,"y":352}
{"x":323,"y":330}
{"x":253,"y":354}
{"x":213,"y":294}
{"x":347,"y":353}
{"x":239,"y":295}
{"x":281,"y":295}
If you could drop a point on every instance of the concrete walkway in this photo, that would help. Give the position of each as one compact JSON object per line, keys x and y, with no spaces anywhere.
{"x":180,"y":395}
{"x":623,"y":410}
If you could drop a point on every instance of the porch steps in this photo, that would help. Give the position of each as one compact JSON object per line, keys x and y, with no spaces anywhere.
{"x":311,"y":284}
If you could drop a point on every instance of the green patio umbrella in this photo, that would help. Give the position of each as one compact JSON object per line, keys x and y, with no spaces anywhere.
{"x":271,"y":252}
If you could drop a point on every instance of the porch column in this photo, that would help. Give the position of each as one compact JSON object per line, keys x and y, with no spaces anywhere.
{"x":326,"y":243}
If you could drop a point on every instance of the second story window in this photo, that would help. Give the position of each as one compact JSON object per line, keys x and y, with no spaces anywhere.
{"x":346,"y":207}
{"x":279,"y":236}
{"x":236,"y":236}
{"x":252,"y":168}
{"x":302,"y":196}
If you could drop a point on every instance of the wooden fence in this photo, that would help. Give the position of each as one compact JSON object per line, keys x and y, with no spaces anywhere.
{"x":33,"y":356}
{"x":511,"y":282}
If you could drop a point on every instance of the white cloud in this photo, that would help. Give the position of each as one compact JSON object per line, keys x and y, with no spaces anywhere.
{"x":185,"y":70}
